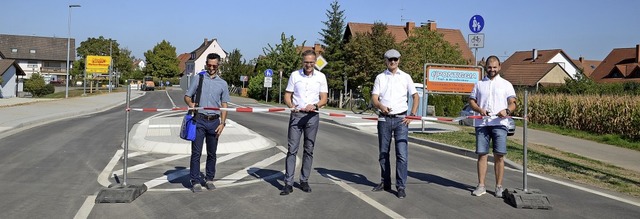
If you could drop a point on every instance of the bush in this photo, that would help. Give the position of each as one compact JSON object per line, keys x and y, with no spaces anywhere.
{"x":37,"y":87}
{"x":447,"y":104}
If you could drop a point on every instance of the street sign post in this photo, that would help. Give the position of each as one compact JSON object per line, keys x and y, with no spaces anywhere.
{"x":268,"y":73}
{"x":476,"y":40}
{"x":476,"y":23}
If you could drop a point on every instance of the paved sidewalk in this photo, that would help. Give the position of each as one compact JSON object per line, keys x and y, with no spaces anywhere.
{"x":159,"y":133}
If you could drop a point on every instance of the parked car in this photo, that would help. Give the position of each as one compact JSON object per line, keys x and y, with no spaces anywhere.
{"x":467,"y":111}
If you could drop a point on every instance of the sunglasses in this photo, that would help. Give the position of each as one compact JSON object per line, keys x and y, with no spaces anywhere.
{"x":209,"y":66}
{"x":392,"y":59}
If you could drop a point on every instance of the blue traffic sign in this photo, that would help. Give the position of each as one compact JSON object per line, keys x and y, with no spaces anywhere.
{"x":268,"y":73}
{"x":476,"y":23}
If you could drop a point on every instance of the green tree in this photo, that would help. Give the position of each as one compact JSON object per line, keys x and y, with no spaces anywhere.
{"x":364,"y":55}
{"x":283,"y":56}
{"x":121,"y":59}
{"x":162,"y":61}
{"x":235,"y":67}
{"x":425,"y":46}
{"x":332,"y":38}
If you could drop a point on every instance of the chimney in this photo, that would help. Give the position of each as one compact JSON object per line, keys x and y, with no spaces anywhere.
{"x":409,"y":27}
{"x":534,"y":55}
{"x":431,"y":25}
{"x":581,"y":59}
{"x":316,"y":48}
{"x":206,"y":41}
{"x":637,"y":53}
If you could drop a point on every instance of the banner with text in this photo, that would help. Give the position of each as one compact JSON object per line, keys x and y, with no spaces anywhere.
{"x":98,"y":64}
{"x":458,"y":79}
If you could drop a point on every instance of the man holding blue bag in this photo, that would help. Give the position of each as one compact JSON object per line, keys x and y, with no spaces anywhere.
{"x":213,"y":92}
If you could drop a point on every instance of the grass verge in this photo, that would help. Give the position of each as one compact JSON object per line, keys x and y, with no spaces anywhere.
{"x":549,"y":161}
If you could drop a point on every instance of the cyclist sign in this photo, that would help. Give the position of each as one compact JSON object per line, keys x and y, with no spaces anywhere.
{"x":476,"y":40}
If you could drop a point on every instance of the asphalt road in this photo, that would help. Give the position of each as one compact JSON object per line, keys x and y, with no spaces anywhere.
{"x":51,"y":171}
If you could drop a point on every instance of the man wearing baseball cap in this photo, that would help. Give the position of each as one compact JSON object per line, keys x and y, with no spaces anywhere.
{"x":390,"y":92}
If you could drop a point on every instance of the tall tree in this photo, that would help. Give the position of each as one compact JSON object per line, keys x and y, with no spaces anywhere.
{"x":425,"y":46}
{"x":121,"y":58}
{"x":162,"y":61}
{"x":332,"y":38}
{"x":235,"y":67}
{"x":283,"y":56}
{"x":364,"y":55}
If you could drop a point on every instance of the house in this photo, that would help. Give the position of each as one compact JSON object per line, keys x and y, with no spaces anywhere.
{"x":35,"y":54}
{"x":401,"y":33}
{"x":198,"y":58}
{"x":587,"y":66}
{"x":621,"y":65}
{"x":139,"y":64}
{"x":317,"y":48}
{"x":538,"y":67}
{"x":183,"y":58}
{"x":10,"y":84}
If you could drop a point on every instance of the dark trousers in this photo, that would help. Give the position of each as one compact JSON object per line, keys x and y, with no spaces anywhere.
{"x":205,"y":130}
{"x":301,"y":123}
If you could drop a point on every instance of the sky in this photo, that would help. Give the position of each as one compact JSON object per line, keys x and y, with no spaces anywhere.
{"x":587,"y":28}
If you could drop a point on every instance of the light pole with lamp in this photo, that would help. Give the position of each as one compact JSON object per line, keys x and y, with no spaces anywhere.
{"x":66,"y":91}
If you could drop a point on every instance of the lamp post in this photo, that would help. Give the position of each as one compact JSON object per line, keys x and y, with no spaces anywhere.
{"x":66,"y":90}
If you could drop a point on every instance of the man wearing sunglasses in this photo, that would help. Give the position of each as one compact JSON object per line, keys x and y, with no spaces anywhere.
{"x":390,"y":92}
{"x":209,"y":123}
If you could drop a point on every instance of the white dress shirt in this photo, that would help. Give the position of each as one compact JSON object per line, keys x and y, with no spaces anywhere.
{"x":492,"y":95}
{"x":393,"y":90}
{"x":306,"y":89}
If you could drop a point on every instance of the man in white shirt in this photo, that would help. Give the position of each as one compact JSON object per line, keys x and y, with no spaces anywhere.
{"x":390,"y":91}
{"x":306,"y":92}
{"x":493,"y":98}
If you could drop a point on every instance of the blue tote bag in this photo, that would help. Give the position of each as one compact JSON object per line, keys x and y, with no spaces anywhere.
{"x":188,"y":128}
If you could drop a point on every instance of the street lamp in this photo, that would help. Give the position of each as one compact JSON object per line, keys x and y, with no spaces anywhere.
{"x":66,"y":91}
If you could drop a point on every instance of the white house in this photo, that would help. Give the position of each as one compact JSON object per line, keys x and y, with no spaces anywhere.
{"x":46,"y":56}
{"x":9,"y":82}
{"x":198,"y":59}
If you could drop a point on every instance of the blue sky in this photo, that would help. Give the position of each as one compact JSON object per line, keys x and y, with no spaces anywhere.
{"x":588,"y":28}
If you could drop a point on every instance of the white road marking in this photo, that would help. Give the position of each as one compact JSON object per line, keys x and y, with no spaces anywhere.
{"x":103,"y":178}
{"x":167,"y":178}
{"x":365,"y":198}
{"x":85,"y":210}
{"x":172,"y":103}
{"x":149,"y":164}
{"x":249,"y":170}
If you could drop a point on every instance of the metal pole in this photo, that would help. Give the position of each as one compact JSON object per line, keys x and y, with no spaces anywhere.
{"x":110,"y":64}
{"x":280,"y":89}
{"x":126,"y":136}
{"x":524,"y":143}
{"x":266,"y":98}
{"x":84,"y":83}
{"x":66,"y":90}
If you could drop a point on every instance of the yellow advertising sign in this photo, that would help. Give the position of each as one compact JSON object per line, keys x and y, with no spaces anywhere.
{"x":98,"y":64}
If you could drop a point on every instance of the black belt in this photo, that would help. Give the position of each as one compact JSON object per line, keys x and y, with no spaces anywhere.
{"x":208,"y":117}
{"x":395,"y":115}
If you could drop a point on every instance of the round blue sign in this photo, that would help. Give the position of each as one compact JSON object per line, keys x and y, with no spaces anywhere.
{"x":476,"y":23}
{"x":268,"y":73}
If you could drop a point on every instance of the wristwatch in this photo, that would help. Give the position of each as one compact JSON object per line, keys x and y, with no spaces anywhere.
{"x":316,"y":105}
{"x":508,"y":111}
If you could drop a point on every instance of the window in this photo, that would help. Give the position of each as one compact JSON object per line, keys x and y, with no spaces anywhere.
{"x":32,"y":51}
{"x":32,"y":64}
{"x":14,"y":50}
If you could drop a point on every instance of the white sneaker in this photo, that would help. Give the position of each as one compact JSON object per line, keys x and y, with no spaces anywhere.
{"x":480,"y":190}
{"x":499,"y":191}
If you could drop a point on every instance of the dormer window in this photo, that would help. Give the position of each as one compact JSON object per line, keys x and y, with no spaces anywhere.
{"x":14,"y":50}
{"x":32,"y":51}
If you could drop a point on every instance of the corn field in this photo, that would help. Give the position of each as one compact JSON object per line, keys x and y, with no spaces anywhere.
{"x":599,"y":114}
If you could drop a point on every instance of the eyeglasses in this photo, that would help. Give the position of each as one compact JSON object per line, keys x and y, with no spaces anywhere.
{"x":309,"y":62}
{"x":392,"y":59}
{"x":214,"y":66}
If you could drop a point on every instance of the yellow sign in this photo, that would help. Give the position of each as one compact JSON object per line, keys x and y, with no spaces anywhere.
{"x":98,"y":64}
{"x":321,"y":62}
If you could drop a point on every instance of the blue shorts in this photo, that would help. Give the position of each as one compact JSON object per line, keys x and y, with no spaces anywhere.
{"x":496,"y":134}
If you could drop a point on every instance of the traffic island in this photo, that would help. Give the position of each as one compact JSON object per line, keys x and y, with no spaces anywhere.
{"x":117,"y":193}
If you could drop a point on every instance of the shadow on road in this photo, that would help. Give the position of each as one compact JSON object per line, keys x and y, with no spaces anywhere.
{"x":429,"y":178}
{"x":346,"y":176}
